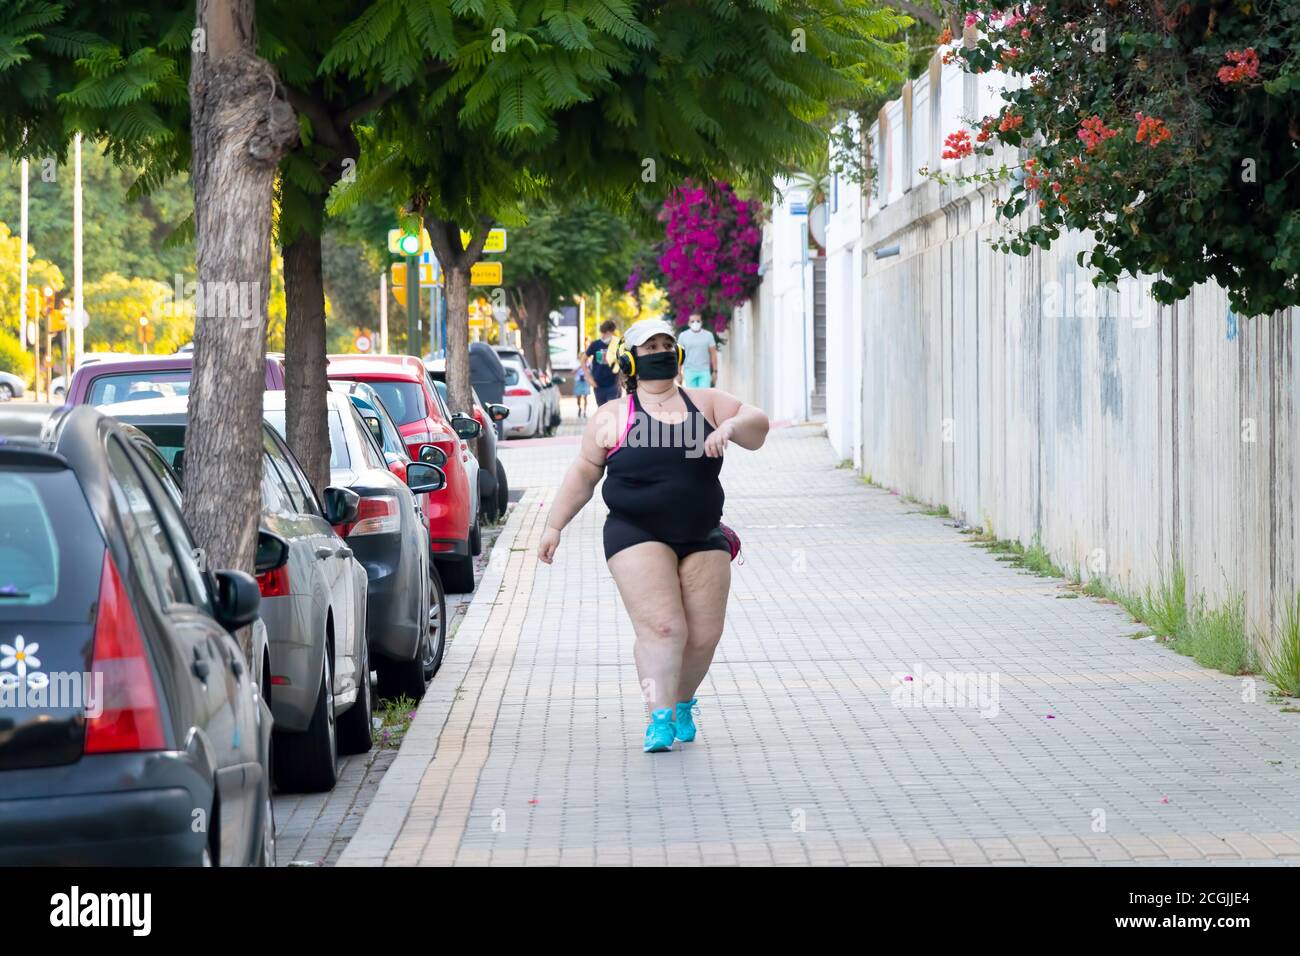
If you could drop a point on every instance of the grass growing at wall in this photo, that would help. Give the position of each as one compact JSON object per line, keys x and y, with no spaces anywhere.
{"x":1218,"y":637}
{"x":1164,"y":607}
{"x":1033,"y":559}
{"x":1282,"y":667}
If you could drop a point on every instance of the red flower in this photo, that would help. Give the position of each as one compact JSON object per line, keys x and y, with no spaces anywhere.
{"x":1245,"y":66}
{"x":1093,"y":132}
{"x":1152,"y":131}
{"x":958,"y":145}
{"x":1010,"y":121}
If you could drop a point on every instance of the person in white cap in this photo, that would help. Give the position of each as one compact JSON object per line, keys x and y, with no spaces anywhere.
{"x":660,"y":450}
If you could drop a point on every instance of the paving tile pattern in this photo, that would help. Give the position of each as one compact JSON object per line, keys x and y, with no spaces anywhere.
{"x":1062,"y":740}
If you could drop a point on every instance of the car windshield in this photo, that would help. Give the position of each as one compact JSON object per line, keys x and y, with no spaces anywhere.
{"x":403,"y":400}
{"x":133,"y":386}
{"x":339,"y":457}
{"x":51,"y":549}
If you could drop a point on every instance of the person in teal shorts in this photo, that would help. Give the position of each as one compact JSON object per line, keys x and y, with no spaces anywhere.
{"x":700,"y":370}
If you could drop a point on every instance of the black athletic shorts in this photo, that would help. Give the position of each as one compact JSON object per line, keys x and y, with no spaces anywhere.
{"x":621,"y":533}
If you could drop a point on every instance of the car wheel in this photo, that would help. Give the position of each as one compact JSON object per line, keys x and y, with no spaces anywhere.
{"x":308,"y":762}
{"x":457,"y":574}
{"x":436,"y":634}
{"x":6,"y":391}
{"x":354,"y":725}
{"x":503,"y":490}
{"x":476,"y":539}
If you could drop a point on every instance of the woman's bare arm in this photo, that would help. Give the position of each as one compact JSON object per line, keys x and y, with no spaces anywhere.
{"x":581,"y":477}
{"x":746,"y":425}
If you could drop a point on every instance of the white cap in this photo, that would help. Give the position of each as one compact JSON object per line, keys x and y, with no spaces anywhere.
{"x":638,"y":333}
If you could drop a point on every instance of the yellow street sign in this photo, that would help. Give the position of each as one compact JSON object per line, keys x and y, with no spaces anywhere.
{"x":496,"y":240}
{"x":57,"y":321}
{"x":399,"y":275}
{"x":486,"y":273}
{"x":399,"y":293}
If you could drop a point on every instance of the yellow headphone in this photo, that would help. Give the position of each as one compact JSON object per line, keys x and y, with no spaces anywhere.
{"x":627,"y":358}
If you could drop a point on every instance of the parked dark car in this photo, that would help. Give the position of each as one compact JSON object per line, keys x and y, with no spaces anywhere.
{"x":314,"y":605}
{"x":486,"y":373}
{"x":493,"y":488}
{"x":147,"y":376}
{"x":167,"y":761}
{"x":405,"y":606}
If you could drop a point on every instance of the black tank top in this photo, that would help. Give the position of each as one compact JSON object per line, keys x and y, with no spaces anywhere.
{"x":660,"y":480}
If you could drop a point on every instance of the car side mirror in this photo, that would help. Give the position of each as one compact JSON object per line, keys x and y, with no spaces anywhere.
{"x":341,"y":505}
{"x":238,"y":600}
{"x":433,"y":455}
{"x":559,"y":380}
{"x":499,"y":413}
{"x":422,"y":478}
{"x":466,"y":427}
{"x":376,"y":429}
{"x":272,"y":552}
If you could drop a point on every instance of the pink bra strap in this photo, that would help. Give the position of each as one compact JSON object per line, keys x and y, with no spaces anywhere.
{"x":627,"y":426}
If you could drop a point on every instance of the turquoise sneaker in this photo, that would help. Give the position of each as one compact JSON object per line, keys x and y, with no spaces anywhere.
{"x":659,"y":734}
{"x":685,"y":722}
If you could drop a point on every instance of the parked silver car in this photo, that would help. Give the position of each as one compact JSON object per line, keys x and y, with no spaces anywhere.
{"x":528,"y":409}
{"x":11,"y":386}
{"x":314,"y":601}
{"x":547,"y":385}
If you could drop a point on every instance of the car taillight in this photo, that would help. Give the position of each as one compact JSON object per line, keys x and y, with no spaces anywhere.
{"x":417,"y":438}
{"x":378,"y":514}
{"x":130,"y":718}
{"x":518,"y":392}
{"x":274,"y":583}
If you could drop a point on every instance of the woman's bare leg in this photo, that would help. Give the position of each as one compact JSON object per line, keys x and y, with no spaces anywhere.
{"x":705,"y":582}
{"x":646,"y":575}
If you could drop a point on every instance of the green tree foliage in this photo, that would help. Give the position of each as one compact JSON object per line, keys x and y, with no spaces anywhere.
{"x":613,"y":98}
{"x":562,"y":250}
{"x":115,"y":304}
{"x":122,"y":233}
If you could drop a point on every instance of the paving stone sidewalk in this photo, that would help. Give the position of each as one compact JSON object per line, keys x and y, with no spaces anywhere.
{"x":1091,"y":747}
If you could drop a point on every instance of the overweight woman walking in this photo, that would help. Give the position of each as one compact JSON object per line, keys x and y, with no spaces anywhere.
{"x":660,"y":449}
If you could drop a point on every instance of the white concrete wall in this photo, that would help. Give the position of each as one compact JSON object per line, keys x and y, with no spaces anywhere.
{"x":1121,"y":434}
{"x":844,"y":317}
{"x":773,"y":369}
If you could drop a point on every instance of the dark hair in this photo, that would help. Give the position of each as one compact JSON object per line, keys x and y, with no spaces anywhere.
{"x":609,"y":325}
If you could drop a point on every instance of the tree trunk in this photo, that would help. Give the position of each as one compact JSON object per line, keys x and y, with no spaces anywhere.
{"x":456,"y":263}
{"x":241,"y":127}
{"x":306,"y":416}
{"x":458,"y":382}
{"x":536,"y":296}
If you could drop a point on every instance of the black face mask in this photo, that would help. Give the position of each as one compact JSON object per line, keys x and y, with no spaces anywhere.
{"x":657,"y":365}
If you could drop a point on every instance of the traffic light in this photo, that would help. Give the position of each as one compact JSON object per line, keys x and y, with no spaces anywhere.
{"x":405,"y":242}
{"x":409,"y":244}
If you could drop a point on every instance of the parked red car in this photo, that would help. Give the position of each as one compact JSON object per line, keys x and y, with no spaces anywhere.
{"x":147,"y":376}
{"x":423,"y":421}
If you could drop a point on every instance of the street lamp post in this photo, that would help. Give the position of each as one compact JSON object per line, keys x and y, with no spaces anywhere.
{"x":144,"y":334}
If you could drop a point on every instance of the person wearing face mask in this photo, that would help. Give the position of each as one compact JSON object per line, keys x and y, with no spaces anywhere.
{"x":700,"y":370}
{"x":660,"y":451}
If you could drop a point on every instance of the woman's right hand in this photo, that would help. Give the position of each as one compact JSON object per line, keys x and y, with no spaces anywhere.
{"x":550,"y":541}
